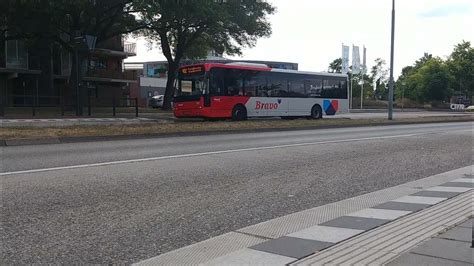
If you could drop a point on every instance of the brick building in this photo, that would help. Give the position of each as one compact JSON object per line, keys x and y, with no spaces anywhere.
{"x":102,"y":73}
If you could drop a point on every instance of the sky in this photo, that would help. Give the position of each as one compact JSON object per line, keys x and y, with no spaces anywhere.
{"x":311,"y":32}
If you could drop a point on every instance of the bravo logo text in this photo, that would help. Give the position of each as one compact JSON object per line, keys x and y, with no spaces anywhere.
{"x":267,"y":106}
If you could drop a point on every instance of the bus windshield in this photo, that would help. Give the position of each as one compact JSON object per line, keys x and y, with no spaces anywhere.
{"x":192,"y":85}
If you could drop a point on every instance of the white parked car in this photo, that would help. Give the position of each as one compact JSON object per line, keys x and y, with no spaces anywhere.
{"x":157,"y":101}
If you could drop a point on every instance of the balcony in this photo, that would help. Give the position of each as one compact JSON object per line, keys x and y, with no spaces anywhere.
{"x":114,"y":43}
{"x":108,"y":75}
{"x":115,"y":46}
{"x":130,"y":49}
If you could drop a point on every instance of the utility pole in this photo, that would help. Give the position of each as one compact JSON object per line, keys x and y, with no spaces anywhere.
{"x":362,"y":91}
{"x":390,"y":85}
{"x":351,"y":106}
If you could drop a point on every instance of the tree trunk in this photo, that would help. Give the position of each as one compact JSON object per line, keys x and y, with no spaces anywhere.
{"x":169,"y":92}
{"x":46,"y":83}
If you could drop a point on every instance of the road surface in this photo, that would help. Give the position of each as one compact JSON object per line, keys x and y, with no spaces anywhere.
{"x":125,"y":201}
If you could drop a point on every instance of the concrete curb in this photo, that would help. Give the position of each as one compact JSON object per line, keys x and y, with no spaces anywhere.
{"x":64,"y":140}
{"x":24,"y":142}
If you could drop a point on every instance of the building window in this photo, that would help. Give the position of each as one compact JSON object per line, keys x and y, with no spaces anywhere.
{"x":65,"y":62}
{"x":156,"y":70}
{"x":98,"y":63}
{"x":17,"y":55}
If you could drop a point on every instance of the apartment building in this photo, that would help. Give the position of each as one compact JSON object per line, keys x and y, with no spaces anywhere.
{"x":102,"y":74}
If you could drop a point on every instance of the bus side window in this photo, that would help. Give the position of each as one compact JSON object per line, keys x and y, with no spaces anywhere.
{"x":313,"y":88}
{"x":343,"y":89}
{"x":277,"y":85}
{"x":254,"y":83}
{"x":333,"y":88}
{"x":297,"y":88}
{"x":216,"y":82}
{"x":233,"y":82}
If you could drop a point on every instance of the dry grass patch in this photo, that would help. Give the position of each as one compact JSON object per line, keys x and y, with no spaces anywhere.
{"x":151,"y":128}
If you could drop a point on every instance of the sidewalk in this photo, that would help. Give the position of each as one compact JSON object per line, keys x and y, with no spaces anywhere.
{"x":453,"y":247}
{"x":371,"y":229}
{"x":394,"y":242}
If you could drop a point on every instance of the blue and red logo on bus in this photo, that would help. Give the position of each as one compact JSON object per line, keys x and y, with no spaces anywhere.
{"x":330,"y":107}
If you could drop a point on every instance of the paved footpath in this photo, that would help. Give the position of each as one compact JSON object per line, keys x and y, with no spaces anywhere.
{"x":452,"y":247}
{"x":382,"y":227}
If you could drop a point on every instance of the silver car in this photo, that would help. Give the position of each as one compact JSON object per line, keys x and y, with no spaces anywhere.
{"x":157,"y":101}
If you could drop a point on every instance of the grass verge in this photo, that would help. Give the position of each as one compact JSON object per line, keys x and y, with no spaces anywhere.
{"x":19,"y":133}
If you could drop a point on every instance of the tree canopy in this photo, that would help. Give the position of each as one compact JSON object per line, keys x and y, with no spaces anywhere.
{"x":335,"y":66}
{"x":432,"y":78}
{"x":54,"y":19}
{"x":191,"y":29}
{"x":461,"y":67}
{"x":379,"y":75}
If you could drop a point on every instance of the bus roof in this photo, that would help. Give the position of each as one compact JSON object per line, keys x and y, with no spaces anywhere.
{"x":208,"y":66}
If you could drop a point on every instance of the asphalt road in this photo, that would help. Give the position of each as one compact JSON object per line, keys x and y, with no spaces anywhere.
{"x":125,"y":201}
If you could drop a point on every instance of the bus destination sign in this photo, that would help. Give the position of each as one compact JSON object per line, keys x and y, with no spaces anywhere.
{"x":192,"y":70}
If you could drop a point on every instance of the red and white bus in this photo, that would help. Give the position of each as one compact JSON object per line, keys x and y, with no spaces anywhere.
{"x":242,"y":90}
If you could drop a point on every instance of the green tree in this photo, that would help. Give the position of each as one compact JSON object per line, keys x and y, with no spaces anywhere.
{"x":432,"y":81}
{"x":404,"y":89}
{"x":379,"y":75}
{"x":190,"y":29}
{"x":357,"y":86}
{"x":429,"y":79}
{"x":461,"y":67}
{"x":423,"y":60}
{"x":335,"y":66}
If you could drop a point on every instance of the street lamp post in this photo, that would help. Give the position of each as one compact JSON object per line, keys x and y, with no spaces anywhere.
{"x":390,"y":85}
{"x":361,"y":83}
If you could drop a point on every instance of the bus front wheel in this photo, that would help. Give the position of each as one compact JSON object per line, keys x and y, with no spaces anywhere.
{"x":316,"y":112}
{"x":239,"y":113}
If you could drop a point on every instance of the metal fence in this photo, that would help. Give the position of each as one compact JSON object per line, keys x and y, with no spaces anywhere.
{"x":31,"y":105}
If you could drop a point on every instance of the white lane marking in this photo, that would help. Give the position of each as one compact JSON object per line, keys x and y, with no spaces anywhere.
{"x":209,"y":153}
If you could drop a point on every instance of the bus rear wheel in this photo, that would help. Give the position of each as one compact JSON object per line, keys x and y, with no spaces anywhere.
{"x":239,"y":113}
{"x":316,"y":112}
